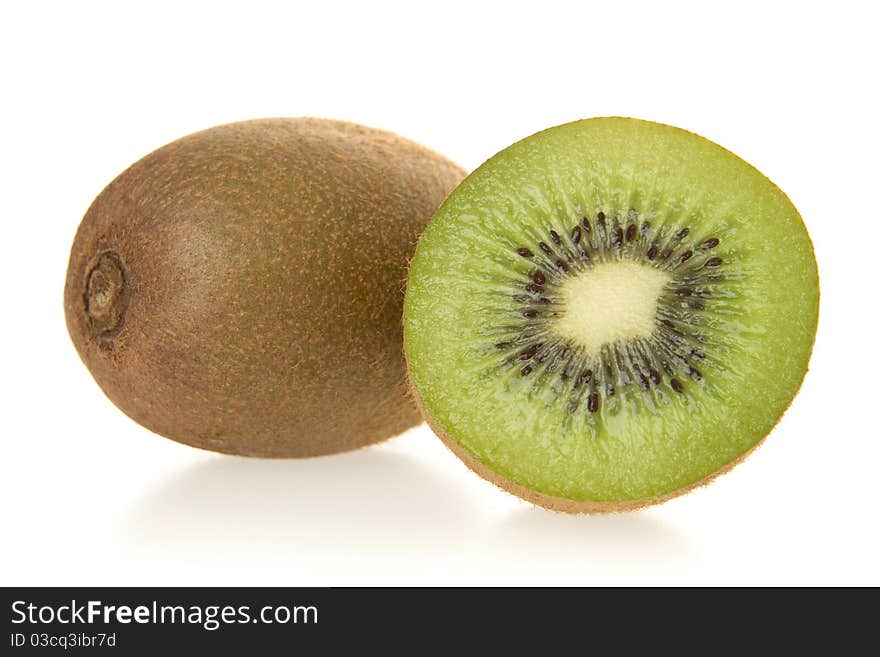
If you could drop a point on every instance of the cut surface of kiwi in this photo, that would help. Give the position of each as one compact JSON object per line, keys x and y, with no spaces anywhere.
{"x":240,"y":289}
{"x":609,"y":313}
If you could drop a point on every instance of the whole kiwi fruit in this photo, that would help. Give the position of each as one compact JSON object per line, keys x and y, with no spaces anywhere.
{"x":240,"y":289}
{"x":627,"y":310}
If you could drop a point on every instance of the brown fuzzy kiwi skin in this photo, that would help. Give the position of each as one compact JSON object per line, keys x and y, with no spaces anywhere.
{"x":238,"y":290}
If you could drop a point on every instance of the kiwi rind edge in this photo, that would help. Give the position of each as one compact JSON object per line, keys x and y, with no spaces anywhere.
{"x":562,"y":504}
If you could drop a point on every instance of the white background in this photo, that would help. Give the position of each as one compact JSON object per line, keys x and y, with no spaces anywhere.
{"x":89,"y":497}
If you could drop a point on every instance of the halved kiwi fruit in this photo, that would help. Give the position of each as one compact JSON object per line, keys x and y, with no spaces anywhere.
{"x":609,"y":313}
{"x":240,"y":289}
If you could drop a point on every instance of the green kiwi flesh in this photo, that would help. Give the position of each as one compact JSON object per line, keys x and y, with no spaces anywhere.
{"x":609,"y":313}
{"x":240,"y":289}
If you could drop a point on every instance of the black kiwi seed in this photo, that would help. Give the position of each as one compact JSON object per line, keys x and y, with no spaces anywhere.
{"x":682,"y":234}
{"x":600,"y":220}
{"x":576,"y":235}
{"x":593,"y":402}
{"x":539,"y":277}
{"x":631,"y":232}
{"x":586,"y":224}
{"x":655,"y":376}
{"x":562,"y":265}
{"x":526,"y":370}
{"x":554,"y":236}
{"x":713,"y":262}
{"x":546,"y":249}
{"x":525,"y":253}
{"x":526,"y":354}
{"x":584,"y":378}
{"x":652,"y":252}
{"x":685,"y":256}
{"x":534,"y":287}
{"x":676,"y":385}
{"x":530,"y":313}
{"x":683,"y":292}
{"x":710,"y":243}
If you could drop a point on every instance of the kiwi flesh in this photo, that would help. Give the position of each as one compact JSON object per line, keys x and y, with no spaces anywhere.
{"x":609,"y":313}
{"x":240,"y":289}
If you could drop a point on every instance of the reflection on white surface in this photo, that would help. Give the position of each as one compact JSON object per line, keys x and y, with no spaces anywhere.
{"x":622,"y":548}
{"x":381,"y":517}
{"x":366,"y":500}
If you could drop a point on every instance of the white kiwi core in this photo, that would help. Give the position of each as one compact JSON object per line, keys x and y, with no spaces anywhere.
{"x":610,"y":302}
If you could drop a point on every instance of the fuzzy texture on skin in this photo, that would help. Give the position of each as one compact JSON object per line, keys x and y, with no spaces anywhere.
{"x":240,"y":289}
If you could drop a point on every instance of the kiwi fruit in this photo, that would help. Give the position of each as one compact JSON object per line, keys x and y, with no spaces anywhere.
{"x":240,"y":289}
{"x":609,"y":313}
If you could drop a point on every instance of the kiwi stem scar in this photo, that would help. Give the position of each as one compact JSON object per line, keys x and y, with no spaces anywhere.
{"x":105,"y":293}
